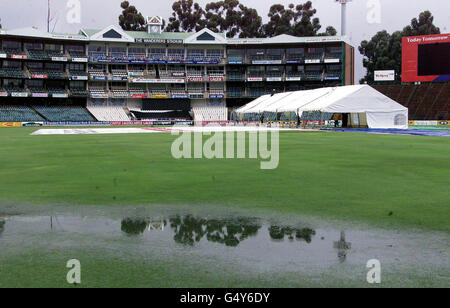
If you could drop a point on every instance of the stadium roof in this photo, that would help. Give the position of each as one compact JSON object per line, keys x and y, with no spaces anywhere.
{"x":381,"y":111}
{"x":185,"y":37}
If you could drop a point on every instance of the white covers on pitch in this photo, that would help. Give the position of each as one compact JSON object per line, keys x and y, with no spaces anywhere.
{"x":381,"y":111}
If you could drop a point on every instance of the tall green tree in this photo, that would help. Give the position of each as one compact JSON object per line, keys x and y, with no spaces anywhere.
{"x":384,"y":50}
{"x":294,"y":20}
{"x":233,"y":19}
{"x":187,"y":16}
{"x":131,"y":19}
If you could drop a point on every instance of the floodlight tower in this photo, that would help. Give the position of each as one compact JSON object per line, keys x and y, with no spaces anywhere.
{"x":343,"y":15}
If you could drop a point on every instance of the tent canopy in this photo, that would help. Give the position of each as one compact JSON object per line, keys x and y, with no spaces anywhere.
{"x":381,"y":111}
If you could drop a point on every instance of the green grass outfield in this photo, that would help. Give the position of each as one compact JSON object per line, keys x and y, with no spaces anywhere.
{"x":382,"y":180}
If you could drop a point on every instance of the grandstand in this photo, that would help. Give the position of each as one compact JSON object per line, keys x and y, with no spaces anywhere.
{"x":108,"y":113}
{"x":122,"y":68}
{"x":427,"y":101}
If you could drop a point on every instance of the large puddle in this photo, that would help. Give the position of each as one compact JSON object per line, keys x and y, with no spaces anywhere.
{"x":256,"y":239}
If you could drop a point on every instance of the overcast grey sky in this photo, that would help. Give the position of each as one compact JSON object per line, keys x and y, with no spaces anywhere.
{"x":395,"y":14}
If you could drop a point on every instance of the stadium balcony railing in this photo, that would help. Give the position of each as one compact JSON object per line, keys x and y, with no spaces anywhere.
{"x":314,"y":57}
{"x":78,"y":92}
{"x":15,"y":89}
{"x":7,"y":72}
{"x":14,"y":51}
{"x":119,"y":93}
{"x":55,"y":53}
{"x":235,"y":92}
{"x":51,"y":74}
{"x":77,"y":73}
{"x":18,"y":114}
{"x":295,"y":58}
{"x":333,"y":56}
{"x":77,"y":54}
{"x":333,"y":75}
{"x":235,"y":59}
{"x":38,"y":55}
{"x":57,"y":91}
{"x":235,"y":76}
{"x":313,"y":76}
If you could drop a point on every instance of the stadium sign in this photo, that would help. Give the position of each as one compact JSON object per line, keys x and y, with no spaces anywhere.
{"x":384,"y":75}
{"x":20,"y":57}
{"x":293,"y":78}
{"x":151,"y":80}
{"x":332,"y":78}
{"x":215,"y":79}
{"x":332,"y":60}
{"x":59,"y":59}
{"x":10,"y":124}
{"x":425,"y":58}
{"x":216,"y":96}
{"x":81,"y":60}
{"x":313,"y":61}
{"x":39,"y":94}
{"x":99,"y":78}
{"x":180,"y":96}
{"x":32,"y":124}
{"x":274,"y":79}
{"x":235,"y":62}
{"x":39,"y":76}
{"x":19,"y":94}
{"x":195,"y":79}
{"x":60,"y":95}
{"x":254,"y":79}
{"x":158,"y":41}
{"x":79,"y":77}
{"x":443,"y":123}
{"x":266,"y":62}
{"x":294,"y":61}
{"x":139,"y":96}
{"x":3,"y":55}
{"x":99,"y":95}
{"x":3,"y":94}
{"x":160,"y":96}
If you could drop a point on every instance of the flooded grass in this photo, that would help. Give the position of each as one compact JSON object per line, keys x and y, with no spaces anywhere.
{"x":212,"y":250}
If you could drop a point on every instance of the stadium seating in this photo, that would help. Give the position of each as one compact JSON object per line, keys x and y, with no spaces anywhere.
{"x":65,"y":113}
{"x":78,"y":92}
{"x":120,"y":74}
{"x":119,"y":92}
{"x":97,"y":73}
{"x":9,"y":72}
{"x":77,"y":54}
{"x":18,"y":114}
{"x":210,"y":113}
{"x":427,"y":101}
{"x":38,"y":55}
{"x":136,"y":90}
{"x":108,"y":113}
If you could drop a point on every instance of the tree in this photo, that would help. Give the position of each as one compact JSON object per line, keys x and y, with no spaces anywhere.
{"x":295,"y":20}
{"x":281,"y":20}
{"x":187,"y":16}
{"x":131,"y":19}
{"x":233,"y":19}
{"x":383,"y":51}
{"x":305,"y":24}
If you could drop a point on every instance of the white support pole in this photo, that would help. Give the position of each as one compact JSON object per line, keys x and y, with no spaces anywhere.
{"x":343,"y":18}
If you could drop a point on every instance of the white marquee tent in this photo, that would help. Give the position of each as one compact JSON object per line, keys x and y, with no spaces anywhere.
{"x":380,"y":110}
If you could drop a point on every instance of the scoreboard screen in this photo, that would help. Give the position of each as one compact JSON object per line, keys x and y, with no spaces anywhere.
{"x":434,"y":59}
{"x":426,"y":58}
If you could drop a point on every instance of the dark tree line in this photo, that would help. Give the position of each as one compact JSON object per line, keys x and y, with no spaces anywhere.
{"x":232,"y":18}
